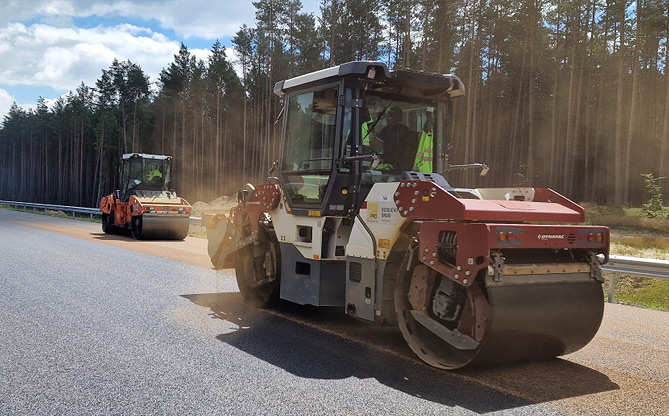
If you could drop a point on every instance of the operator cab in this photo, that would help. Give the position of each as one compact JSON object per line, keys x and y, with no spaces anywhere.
{"x":144,"y":175}
{"x":350,"y":126}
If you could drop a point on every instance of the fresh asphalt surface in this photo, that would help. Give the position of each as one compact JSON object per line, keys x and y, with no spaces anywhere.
{"x":92,"y":328}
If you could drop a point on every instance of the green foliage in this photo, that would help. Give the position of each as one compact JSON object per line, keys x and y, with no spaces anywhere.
{"x":625,"y":219}
{"x":605,"y":210}
{"x":649,"y":292}
{"x":653,"y":208}
{"x":644,"y":243}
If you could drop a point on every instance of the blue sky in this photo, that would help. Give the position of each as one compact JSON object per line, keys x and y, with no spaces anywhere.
{"x":48,"y":47}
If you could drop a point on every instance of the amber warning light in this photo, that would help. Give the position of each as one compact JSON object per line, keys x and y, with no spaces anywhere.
{"x":509,"y":236}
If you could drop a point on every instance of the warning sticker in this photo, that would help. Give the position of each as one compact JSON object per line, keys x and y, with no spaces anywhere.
{"x":373,"y":211}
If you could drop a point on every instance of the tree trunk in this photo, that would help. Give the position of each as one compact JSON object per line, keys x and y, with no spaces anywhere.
{"x":664,"y":139}
{"x":619,"y":149}
{"x":531,"y":96}
{"x":631,"y":122}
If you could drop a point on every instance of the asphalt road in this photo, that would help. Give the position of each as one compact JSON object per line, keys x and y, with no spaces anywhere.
{"x":96,"y":324}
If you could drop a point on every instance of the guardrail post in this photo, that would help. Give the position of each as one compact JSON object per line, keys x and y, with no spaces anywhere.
{"x":612,"y":288}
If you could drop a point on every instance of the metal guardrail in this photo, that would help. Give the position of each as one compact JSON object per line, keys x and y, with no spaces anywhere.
{"x":52,"y":207}
{"x":636,"y":266}
{"x":67,"y":208}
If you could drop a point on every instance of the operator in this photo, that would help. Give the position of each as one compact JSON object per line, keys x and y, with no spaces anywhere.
{"x":424,"y":155}
{"x":396,"y":138}
{"x":367,"y":130}
{"x":371,"y":142}
{"x":366,"y":127}
{"x":154,"y":174}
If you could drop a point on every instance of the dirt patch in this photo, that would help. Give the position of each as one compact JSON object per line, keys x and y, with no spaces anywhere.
{"x":191,"y":251}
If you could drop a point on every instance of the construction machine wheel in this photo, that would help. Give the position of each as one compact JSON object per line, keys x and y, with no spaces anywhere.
{"x":136,"y":227}
{"x":495,"y":321}
{"x":108,"y":226}
{"x":258,"y":269}
{"x":429,"y":347}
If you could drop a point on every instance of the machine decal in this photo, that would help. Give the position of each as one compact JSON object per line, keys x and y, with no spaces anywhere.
{"x":373,"y":212}
{"x":384,"y":243}
{"x":389,"y":213}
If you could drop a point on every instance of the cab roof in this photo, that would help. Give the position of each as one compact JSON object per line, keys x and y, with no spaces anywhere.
{"x":128,"y":156}
{"x":420,"y":83}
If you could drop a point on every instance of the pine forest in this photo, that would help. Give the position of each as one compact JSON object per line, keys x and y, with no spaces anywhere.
{"x":567,"y":94}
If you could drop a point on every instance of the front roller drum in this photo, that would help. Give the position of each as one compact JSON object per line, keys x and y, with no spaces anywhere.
{"x":501,"y":322}
{"x":537,"y":321}
{"x":159,"y":227}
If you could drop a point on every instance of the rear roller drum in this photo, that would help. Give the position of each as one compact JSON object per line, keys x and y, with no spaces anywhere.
{"x":258,"y":268}
{"x":414,"y":323}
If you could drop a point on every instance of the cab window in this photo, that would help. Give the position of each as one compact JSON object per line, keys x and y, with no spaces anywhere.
{"x":311,"y":127}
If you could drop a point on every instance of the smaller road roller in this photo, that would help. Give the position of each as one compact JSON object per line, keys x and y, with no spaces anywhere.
{"x":145,"y":205}
{"x":359,"y":214}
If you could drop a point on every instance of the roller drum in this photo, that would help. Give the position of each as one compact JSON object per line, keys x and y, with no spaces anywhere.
{"x":160,"y":227}
{"x":521,"y":318}
{"x":537,"y":321}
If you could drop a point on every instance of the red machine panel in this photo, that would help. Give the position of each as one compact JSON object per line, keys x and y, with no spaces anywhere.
{"x":265,"y":198}
{"x":469,"y":244}
{"x":427,"y":200}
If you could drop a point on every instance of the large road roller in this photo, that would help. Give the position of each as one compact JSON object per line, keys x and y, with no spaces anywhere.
{"x":145,"y":205}
{"x":359,"y":214}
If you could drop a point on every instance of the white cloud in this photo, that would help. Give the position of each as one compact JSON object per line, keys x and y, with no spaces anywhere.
{"x":40,"y":45}
{"x":208,"y":19}
{"x":6,"y":101}
{"x":63,"y":57}
{"x":195,"y":18}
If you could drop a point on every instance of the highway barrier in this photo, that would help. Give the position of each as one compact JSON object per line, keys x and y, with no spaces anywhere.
{"x":66,"y":208}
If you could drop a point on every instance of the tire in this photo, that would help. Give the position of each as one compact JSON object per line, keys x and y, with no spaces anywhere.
{"x":105,"y":218}
{"x":108,"y":226}
{"x":136,"y":227}
{"x":256,"y":287}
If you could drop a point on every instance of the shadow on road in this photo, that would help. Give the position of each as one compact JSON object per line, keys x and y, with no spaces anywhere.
{"x":324,"y":343}
{"x":124,"y":235}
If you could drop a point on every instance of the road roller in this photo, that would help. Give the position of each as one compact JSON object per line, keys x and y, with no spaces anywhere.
{"x":358,"y":213}
{"x":145,"y":205}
